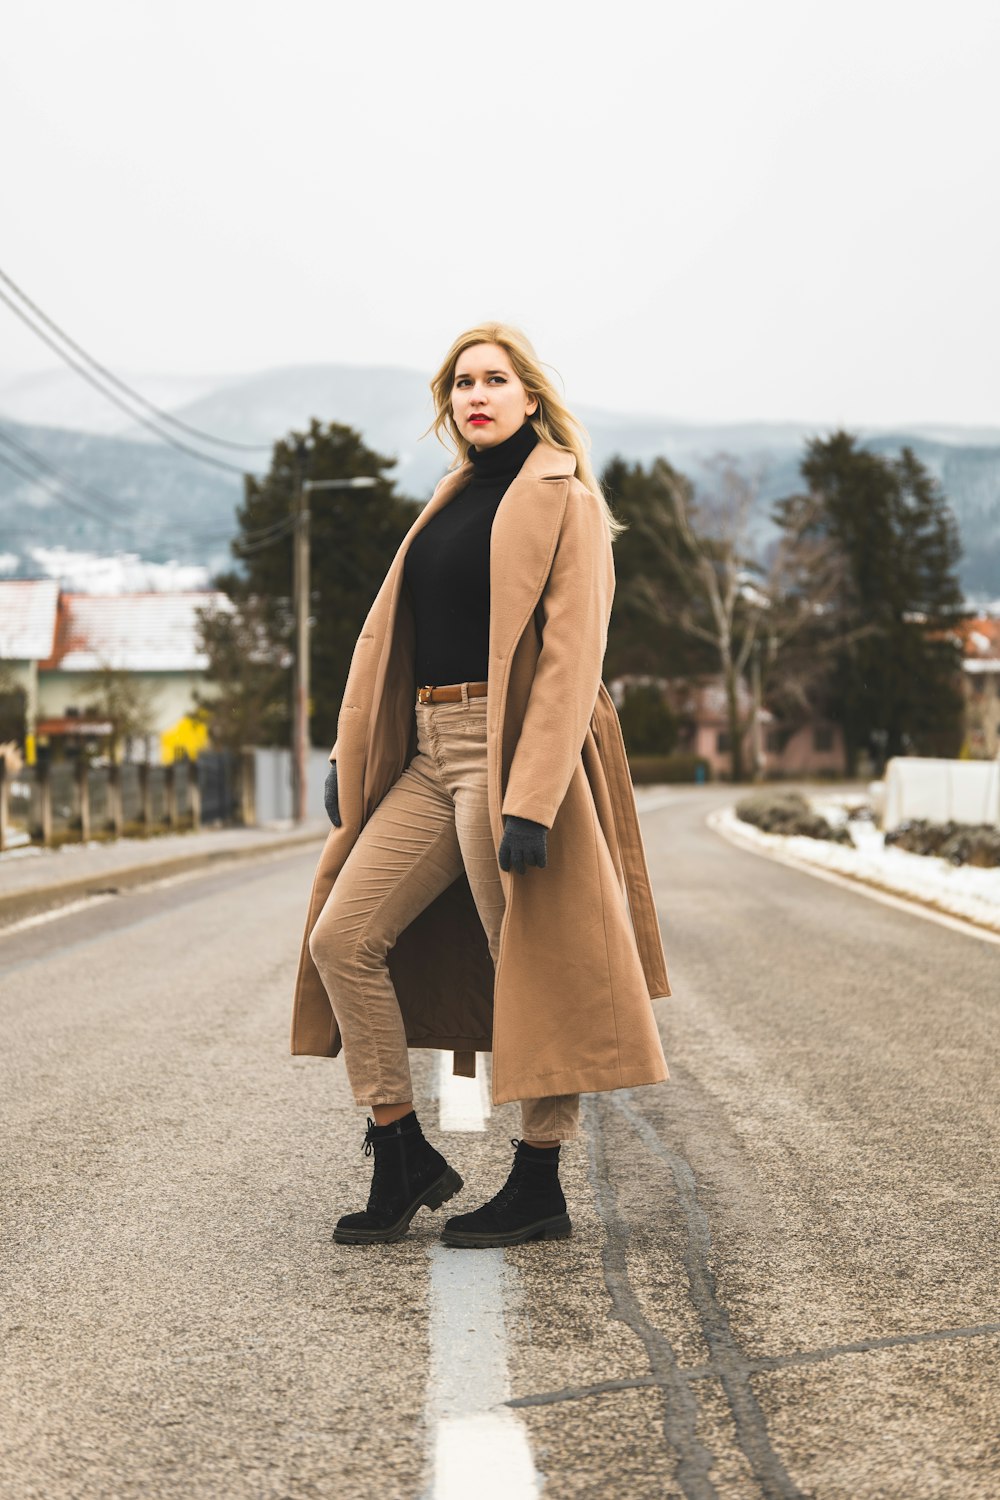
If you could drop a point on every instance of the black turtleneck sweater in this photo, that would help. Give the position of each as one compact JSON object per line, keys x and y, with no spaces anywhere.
{"x":447,"y":569}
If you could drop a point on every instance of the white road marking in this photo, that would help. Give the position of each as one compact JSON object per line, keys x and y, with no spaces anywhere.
{"x":901,"y":902}
{"x":53,"y":914}
{"x":464,"y":1102}
{"x":480,"y":1447}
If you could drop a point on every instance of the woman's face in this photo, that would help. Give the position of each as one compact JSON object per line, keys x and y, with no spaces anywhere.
{"x":488,"y":401}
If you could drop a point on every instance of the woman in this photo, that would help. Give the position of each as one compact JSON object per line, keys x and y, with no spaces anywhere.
{"x":484,"y":887}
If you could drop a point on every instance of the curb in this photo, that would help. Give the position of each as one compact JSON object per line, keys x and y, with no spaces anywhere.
{"x":130,"y":877}
{"x":862,"y":885}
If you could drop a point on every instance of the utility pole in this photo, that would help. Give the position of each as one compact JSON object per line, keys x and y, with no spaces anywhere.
{"x":300,"y":593}
{"x":301,"y":567}
{"x":758,"y":736}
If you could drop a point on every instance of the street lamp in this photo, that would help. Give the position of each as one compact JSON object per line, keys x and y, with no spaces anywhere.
{"x":300,"y":593}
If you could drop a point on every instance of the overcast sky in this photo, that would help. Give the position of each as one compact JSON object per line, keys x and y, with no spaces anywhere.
{"x":777,"y":209}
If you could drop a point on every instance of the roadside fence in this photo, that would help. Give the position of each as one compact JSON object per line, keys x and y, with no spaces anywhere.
{"x":65,"y":803}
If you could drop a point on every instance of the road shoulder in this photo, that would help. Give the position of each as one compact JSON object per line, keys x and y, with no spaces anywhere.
{"x":52,"y":879}
{"x":835,"y":865}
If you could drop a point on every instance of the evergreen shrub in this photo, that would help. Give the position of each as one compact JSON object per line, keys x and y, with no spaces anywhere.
{"x":959,"y":843}
{"x":680,"y":767}
{"x":788,"y":813}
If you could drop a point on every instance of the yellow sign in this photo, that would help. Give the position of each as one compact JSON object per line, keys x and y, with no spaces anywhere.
{"x":189,"y":736}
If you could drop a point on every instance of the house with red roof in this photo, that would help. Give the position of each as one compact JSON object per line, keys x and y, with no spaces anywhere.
{"x":54,"y":646}
{"x":28,"y":608}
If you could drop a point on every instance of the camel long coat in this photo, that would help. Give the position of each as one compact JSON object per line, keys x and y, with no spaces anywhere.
{"x":568,"y":1009}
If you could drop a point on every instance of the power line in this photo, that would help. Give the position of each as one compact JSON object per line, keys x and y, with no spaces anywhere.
{"x":164,"y":416}
{"x":66,"y":480}
{"x":166,"y":437}
{"x":60,"y":495}
{"x":51,"y":475}
{"x":261,"y":533}
{"x":46,"y":464}
{"x":264,"y":535}
{"x":285,"y":529}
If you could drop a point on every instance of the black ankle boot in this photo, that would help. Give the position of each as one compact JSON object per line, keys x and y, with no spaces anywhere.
{"x":529,"y":1206}
{"x":409,"y":1174}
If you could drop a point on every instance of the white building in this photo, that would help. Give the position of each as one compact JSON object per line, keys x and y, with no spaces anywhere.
{"x":28,"y":609}
{"x":52,"y":642}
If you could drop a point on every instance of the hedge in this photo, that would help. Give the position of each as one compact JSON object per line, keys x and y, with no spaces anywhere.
{"x":649,"y":769}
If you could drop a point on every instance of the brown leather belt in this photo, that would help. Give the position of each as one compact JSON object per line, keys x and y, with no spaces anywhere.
{"x":452,"y":693}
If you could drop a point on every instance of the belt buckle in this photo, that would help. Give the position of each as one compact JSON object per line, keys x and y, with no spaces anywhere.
{"x":424,"y":694}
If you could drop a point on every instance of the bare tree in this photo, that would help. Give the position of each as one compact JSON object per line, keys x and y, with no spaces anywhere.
{"x":126,"y":702}
{"x":703,"y":574}
{"x":248,"y":696}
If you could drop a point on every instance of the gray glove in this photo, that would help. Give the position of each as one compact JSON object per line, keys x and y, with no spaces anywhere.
{"x":523,"y":844}
{"x":330,"y":799}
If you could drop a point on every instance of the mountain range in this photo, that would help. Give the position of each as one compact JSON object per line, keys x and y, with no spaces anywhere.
{"x":132,"y":493}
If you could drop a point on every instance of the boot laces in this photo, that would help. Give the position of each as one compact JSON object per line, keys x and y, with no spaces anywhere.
{"x":382,"y":1173}
{"x":514,"y":1182}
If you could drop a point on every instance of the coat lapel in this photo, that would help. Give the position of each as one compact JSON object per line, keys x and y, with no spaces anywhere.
{"x":525,"y":530}
{"x":445,"y":491}
{"x":523,"y":543}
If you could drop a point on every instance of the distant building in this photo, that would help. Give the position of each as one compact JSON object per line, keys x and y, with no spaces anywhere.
{"x":812,"y":749}
{"x":53,"y":643}
{"x":815,"y":748}
{"x":981,"y":687}
{"x":28,"y":609}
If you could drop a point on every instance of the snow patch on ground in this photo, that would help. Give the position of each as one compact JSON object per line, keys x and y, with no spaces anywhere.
{"x":962,"y":890}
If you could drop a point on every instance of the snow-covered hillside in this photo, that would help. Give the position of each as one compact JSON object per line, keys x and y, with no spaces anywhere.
{"x":175,"y":502}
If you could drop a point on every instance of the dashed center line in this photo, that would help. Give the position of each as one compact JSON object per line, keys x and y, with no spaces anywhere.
{"x":480,"y":1446}
{"x":464,"y":1102}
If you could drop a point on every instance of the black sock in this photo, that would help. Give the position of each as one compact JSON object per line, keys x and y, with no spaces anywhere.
{"x":541,"y":1153}
{"x":410,"y":1119}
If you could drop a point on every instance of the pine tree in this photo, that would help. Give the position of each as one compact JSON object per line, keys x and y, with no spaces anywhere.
{"x":354,"y":535}
{"x":694,"y":601}
{"x":894,"y":677}
{"x":645,"y":637}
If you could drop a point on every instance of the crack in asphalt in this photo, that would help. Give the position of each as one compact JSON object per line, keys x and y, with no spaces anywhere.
{"x":762,"y":1364}
{"x":859,"y":1346}
{"x":727,"y":1361}
{"x":600,"y":1388}
{"x":726,"y":1356}
{"x":680,"y":1417}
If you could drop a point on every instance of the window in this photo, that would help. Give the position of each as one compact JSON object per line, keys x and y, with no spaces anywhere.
{"x":723,"y":744}
{"x":773,"y":742}
{"x":823,"y":739}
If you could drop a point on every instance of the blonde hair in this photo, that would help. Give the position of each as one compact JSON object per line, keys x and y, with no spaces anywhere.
{"x":552,"y":420}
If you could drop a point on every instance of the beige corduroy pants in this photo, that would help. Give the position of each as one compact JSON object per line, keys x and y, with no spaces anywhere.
{"x":431,"y":823}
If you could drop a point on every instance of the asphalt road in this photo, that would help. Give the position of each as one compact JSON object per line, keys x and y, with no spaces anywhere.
{"x":783,"y":1279}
